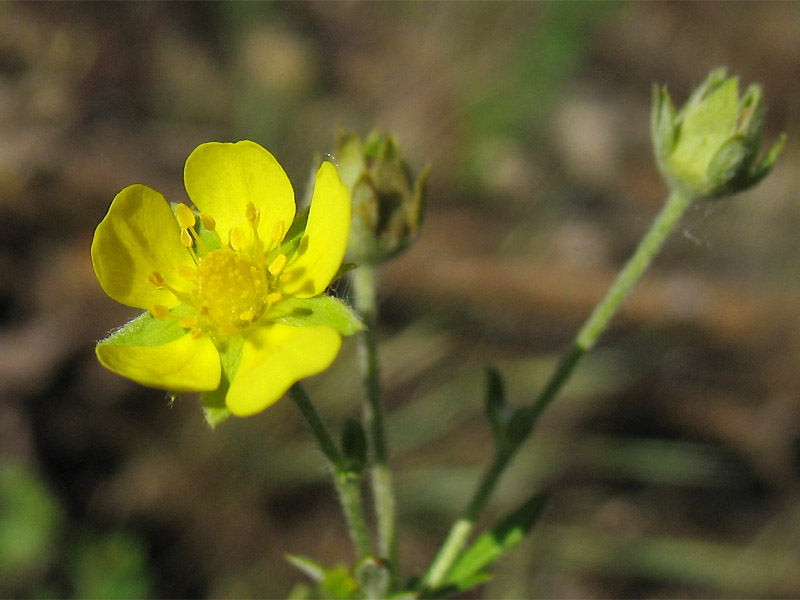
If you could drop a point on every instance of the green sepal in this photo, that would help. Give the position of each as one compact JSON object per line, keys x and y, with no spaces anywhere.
{"x":354,"y":446}
{"x":763,"y":168}
{"x":726,"y":165}
{"x":336,"y":583}
{"x":344,"y":268}
{"x":662,"y":127}
{"x":146,"y":330}
{"x":215,"y":410}
{"x":320,"y":310}
{"x":291,"y":241}
{"x":469,"y":570}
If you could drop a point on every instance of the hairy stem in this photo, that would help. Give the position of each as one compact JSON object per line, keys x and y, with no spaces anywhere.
{"x":365,"y":299}
{"x":348,"y":485}
{"x":587,"y":336}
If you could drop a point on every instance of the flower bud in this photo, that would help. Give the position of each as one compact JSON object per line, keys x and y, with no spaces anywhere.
{"x":387,"y":202}
{"x":712,"y":146}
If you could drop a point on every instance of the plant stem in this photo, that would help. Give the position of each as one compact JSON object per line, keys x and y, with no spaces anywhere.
{"x":348,"y":485}
{"x":365,"y":299}
{"x":595,"y":325}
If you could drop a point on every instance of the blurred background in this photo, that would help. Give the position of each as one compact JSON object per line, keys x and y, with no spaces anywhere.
{"x":675,"y":451}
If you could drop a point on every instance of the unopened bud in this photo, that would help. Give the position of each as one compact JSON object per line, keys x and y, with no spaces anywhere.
{"x":712,"y":146}
{"x":387,"y":201}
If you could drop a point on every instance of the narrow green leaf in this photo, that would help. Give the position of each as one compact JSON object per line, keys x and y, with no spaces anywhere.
{"x":314,"y":570}
{"x":495,"y":402}
{"x":468,"y":569}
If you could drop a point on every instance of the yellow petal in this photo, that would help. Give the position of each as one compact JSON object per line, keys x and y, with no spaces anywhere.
{"x":188,"y":364}
{"x":273,"y":359}
{"x":137,"y":237}
{"x":222,"y":178}
{"x":322,"y":247}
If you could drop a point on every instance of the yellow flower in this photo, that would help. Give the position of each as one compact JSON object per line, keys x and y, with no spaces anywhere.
{"x":234,"y":290}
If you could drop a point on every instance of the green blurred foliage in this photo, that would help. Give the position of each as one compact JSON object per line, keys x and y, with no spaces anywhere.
{"x":31,"y":522}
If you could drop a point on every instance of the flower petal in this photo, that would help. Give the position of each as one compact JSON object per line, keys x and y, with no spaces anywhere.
{"x":187,"y":364}
{"x":276,"y":357}
{"x":138,"y":236}
{"x":222,"y":178}
{"x":323,"y":244}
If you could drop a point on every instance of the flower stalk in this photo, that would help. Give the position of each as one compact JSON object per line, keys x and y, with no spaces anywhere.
{"x":595,"y":325}
{"x":348,"y":484}
{"x":709,"y":149}
{"x":365,"y":301}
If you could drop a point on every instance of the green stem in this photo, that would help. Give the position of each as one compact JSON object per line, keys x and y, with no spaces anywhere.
{"x":595,"y":325}
{"x":365,"y":300}
{"x":348,"y":485}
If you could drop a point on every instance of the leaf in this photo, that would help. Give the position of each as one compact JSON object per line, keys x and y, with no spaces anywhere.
{"x":468,"y":570}
{"x":320,"y":310}
{"x":496,"y":408}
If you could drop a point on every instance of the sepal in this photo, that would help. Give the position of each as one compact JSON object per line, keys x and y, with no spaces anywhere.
{"x":319,"y":310}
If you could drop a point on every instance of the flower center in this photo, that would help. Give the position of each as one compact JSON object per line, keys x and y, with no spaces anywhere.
{"x":233,"y":285}
{"x":231,"y":289}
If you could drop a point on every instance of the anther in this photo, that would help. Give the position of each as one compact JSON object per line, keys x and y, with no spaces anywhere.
{"x":273,"y":298}
{"x":278,"y":232}
{"x":156,"y":279}
{"x":185,"y":217}
{"x":253,"y":214}
{"x":159,"y":311}
{"x":248,"y":315}
{"x":208,"y":222}
{"x":276,"y":266}
{"x":238,"y":241}
{"x":188,"y":322}
{"x":186,"y":238}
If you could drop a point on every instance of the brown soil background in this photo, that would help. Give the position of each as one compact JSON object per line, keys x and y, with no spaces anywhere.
{"x":675,"y":453}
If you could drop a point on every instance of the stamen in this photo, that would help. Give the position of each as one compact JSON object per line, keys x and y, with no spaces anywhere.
{"x":253,"y":214}
{"x":159,"y":311}
{"x":238,"y":241}
{"x":156,"y":279}
{"x":186,"y":239}
{"x":208,"y":222}
{"x":185,"y":216}
{"x":276,"y":266}
{"x":248,"y":315}
{"x":278,"y":231}
{"x":188,"y":322}
{"x":274,"y":297}
{"x":200,"y":243}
